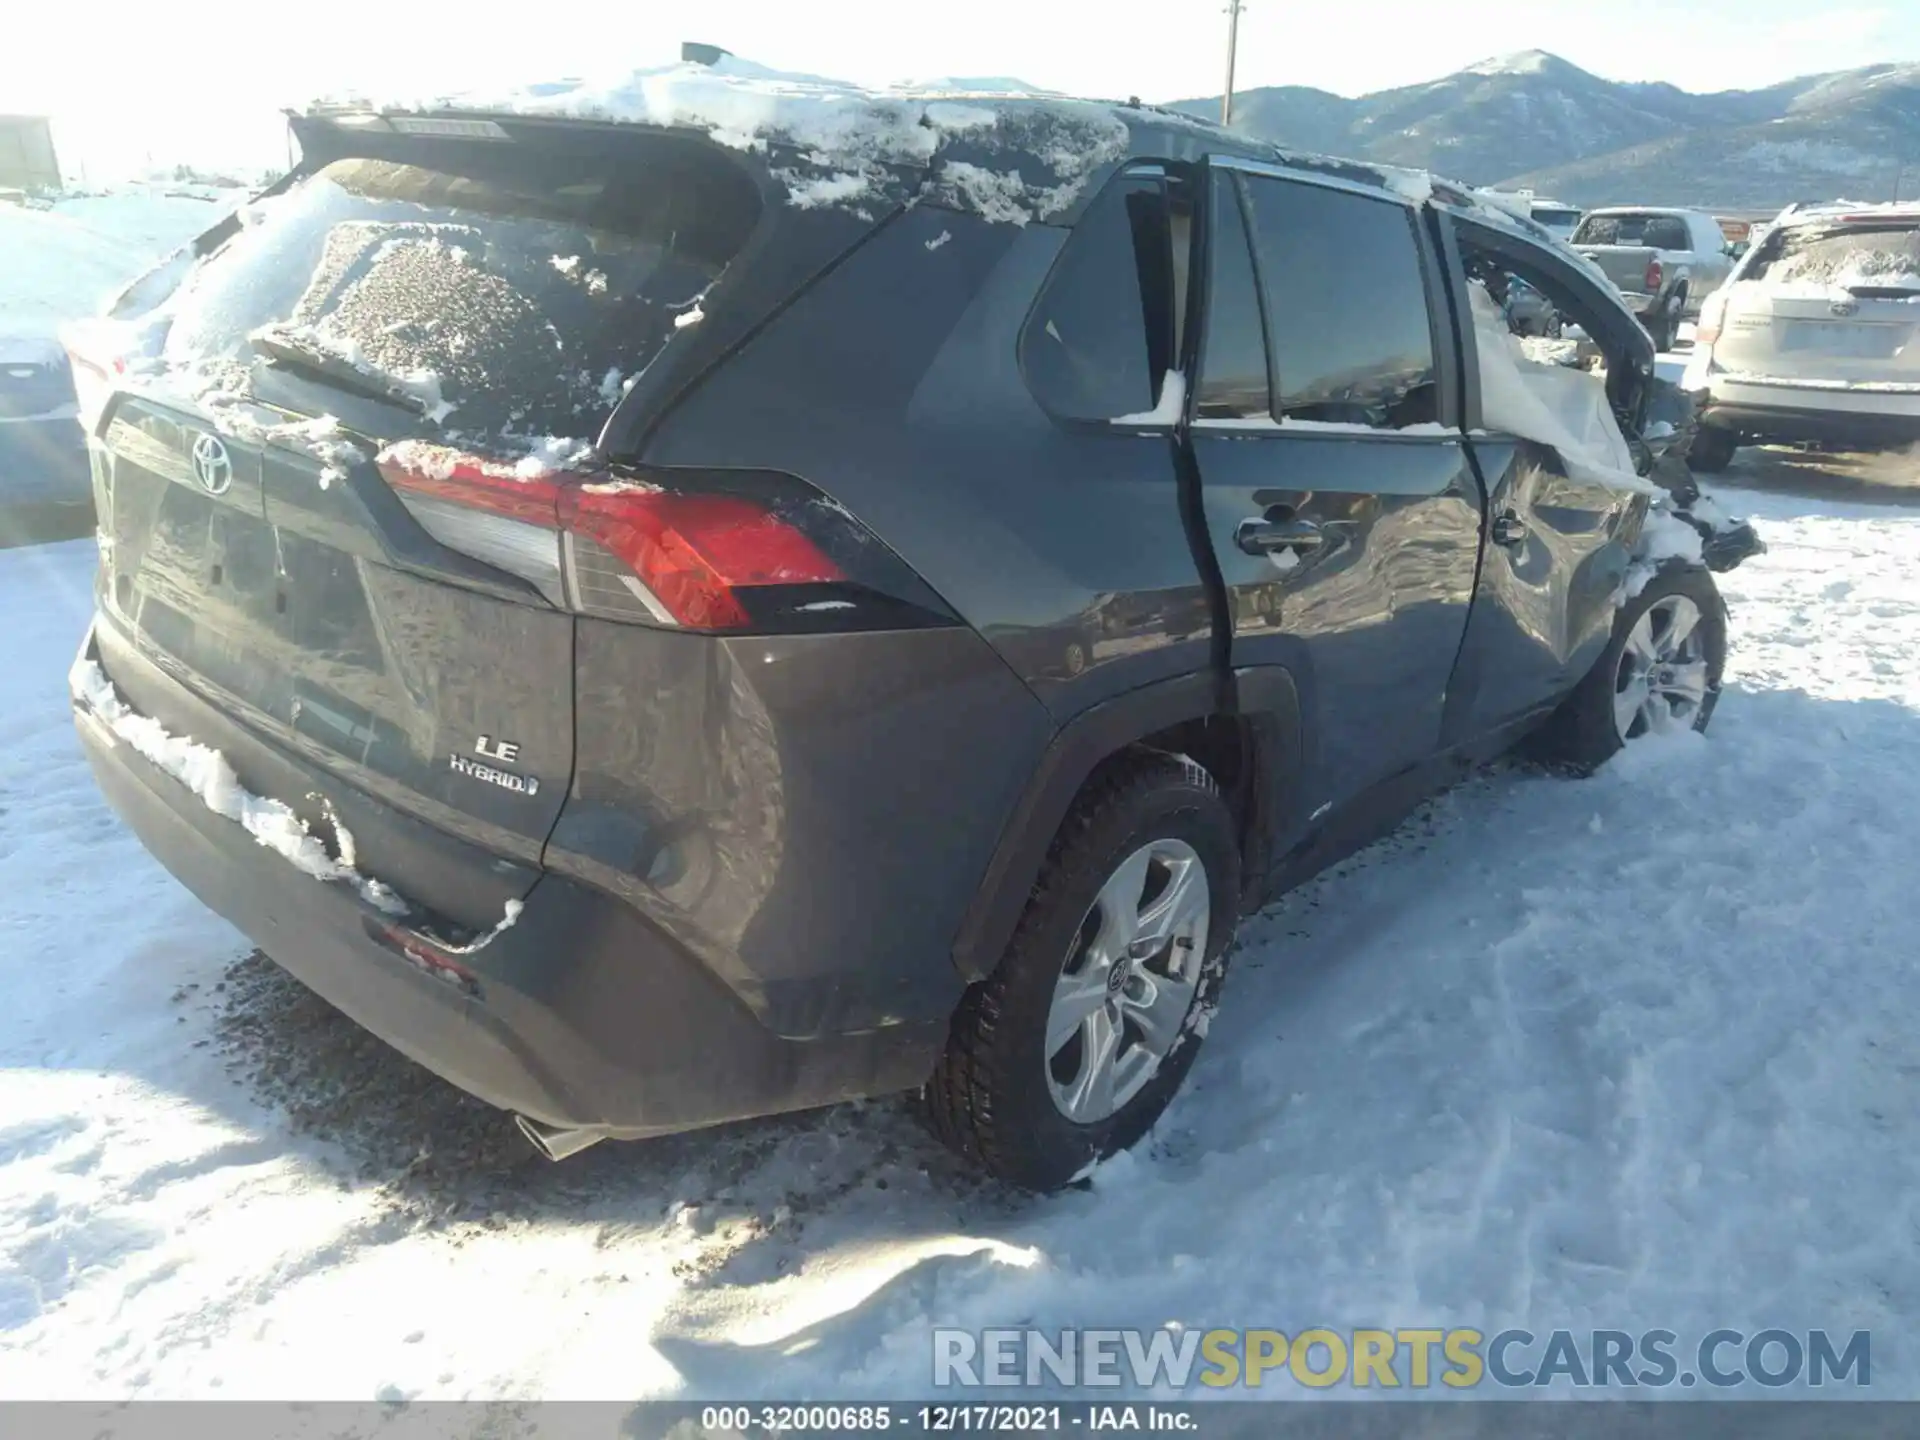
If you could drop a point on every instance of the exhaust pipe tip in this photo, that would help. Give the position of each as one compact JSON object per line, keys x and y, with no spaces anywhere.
{"x":556,"y":1143}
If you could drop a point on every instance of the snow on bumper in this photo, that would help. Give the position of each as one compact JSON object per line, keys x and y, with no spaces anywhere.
{"x":574,"y":1011}
{"x":206,"y":775}
{"x":1894,"y":399}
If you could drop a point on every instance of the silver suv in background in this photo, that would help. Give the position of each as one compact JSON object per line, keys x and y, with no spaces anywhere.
{"x":1665,"y":262}
{"x":1812,"y":337}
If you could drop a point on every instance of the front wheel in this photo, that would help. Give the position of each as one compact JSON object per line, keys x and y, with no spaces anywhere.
{"x":1660,"y":673}
{"x":1071,"y":1049}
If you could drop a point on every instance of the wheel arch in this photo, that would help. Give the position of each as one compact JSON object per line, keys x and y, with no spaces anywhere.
{"x":1249,"y":740}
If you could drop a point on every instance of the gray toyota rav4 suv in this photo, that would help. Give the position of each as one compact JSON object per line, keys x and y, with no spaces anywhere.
{"x":689,"y":636}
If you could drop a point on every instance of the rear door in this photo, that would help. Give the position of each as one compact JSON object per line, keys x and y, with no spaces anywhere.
{"x":1337,"y":492}
{"x":1832,"y":304}
{"x":487,"y":299}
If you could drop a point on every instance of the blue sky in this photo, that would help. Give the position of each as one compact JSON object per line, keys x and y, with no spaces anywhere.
{"x":201,"y":79}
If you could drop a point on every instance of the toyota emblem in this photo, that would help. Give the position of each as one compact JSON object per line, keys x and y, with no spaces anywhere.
{"x":212,"y":466}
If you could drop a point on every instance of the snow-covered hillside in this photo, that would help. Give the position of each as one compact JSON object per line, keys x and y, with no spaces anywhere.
{"x":1633,"y":1051}
{"x":1534,"y":120}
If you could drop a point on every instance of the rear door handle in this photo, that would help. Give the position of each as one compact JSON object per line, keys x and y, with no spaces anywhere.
{"x":1263,"y":537}
{"x":1509,"y":529}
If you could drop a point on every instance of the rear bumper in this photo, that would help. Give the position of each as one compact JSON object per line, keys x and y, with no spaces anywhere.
{"x":1781,"y":413}
{"x":580,"y":1014}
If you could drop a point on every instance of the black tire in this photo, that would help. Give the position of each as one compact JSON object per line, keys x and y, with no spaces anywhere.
{"x":1582,"y":735}
{"x":1665,"y":329}
{"x":989,"y":1096}
{"x":1712,"y":450}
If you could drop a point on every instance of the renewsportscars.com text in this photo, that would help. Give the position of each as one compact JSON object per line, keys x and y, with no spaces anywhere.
{"x":1456,"y":1359}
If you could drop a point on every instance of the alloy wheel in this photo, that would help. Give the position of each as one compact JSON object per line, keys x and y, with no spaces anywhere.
{"x":1661,"y":684}
{"x":1124,"y":993}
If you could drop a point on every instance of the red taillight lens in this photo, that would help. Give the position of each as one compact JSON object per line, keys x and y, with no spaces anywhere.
{"x":1655,"y":274}
{"x":682,"y":559}
{"x":97,"y":365}
{"x":695,"y":552}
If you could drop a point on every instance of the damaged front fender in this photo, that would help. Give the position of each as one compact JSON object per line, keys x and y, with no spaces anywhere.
{"x":1673,"y":419}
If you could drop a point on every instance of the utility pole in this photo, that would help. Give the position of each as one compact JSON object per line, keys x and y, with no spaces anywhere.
{"x":1234,"y":8}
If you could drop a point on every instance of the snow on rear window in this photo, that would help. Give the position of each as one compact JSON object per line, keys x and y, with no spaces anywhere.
{"x":490,"y":291}
{"x":1857,"y":257}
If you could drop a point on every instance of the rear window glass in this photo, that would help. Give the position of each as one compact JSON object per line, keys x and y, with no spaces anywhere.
{"x":1859,"y":256}
{"x":521,"y":285}
{"x":1660,"y":232}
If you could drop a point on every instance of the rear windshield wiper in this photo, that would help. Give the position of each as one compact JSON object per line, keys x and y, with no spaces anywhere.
{"x":289,"y":352}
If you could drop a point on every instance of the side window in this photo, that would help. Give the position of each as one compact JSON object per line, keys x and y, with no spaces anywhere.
{"x":1347,"y":306}
{"x":1101,"y":333}
{"x":1233,"y":355}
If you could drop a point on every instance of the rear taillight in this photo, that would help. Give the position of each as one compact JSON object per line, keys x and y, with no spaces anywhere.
{"x":608,"y":546}
{"x":1713,"y":314}
{"x":693,"y":554}
{"x":1655,"y":275}
{"x":97,"y":364}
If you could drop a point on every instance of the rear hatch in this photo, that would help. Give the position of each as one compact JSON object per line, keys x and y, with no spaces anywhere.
{"x":276,"y":535}
{"x":1833,"y":304}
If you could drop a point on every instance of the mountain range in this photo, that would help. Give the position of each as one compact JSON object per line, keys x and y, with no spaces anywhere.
{"x":1533,"y":120}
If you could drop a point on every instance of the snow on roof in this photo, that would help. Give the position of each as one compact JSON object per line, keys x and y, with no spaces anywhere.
{"x":1833,"y":210}
{"x":845,"y":134}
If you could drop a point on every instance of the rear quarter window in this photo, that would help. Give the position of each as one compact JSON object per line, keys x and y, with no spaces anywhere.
{"x":526,"y":284}
{"x":1101,"y":332}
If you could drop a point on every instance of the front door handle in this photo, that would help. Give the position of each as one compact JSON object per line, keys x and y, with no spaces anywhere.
{"x":1264,"y":537}
{"x":1509,"y":529}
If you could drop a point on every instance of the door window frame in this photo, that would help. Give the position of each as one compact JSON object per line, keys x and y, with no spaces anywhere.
{"x":1447,"y":361}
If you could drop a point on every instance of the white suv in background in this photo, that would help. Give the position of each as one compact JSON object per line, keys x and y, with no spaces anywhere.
{"x":1813,"y":336}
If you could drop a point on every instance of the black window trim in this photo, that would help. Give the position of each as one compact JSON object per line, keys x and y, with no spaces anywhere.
{"x":1432,"y":278}
{"x":1221,"y":174}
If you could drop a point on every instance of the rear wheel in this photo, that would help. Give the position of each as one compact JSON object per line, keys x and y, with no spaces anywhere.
{"x":1072,"y":1048}
{"x":1660,"y":673}
{"x":1665,"y":325}
{"x":1712,"y":450}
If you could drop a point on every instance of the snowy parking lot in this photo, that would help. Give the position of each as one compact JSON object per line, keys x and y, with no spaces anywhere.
{"x":1633,"y":1051}
{"x":1636,"y":1051}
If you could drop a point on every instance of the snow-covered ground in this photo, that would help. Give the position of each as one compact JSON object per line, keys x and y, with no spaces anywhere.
{"x":59,"y":264}
{"x":1636,"y":1051}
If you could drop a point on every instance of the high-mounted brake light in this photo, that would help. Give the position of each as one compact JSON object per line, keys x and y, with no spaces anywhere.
{"x":606,"y":546}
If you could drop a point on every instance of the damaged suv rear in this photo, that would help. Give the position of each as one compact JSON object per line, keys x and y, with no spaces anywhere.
{"x":750,"y":594}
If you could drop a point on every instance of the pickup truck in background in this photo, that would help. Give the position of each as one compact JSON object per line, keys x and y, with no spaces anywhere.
{"x":1665,"y":262}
